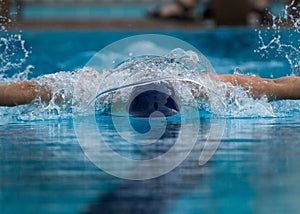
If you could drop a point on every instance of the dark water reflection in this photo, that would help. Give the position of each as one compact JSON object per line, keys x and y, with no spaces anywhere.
{"x":256,"y":169}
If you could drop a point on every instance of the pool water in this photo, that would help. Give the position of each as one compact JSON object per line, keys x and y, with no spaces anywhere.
{"x":104,"y":11}
{"x":255,"y":169}
{"x":80,"y":11}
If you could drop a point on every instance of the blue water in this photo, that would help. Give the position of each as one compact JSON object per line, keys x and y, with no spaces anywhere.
{"x":104,"y":11}
{"x":85,"y":11}
{"x":226,"y":49}
{"x":255,"y":169}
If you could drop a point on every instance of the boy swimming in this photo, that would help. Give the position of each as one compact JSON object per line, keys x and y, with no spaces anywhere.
{"x":144,"y":99}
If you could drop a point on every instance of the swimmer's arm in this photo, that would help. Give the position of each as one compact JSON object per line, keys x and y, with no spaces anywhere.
{"x":22,"y":92}
{"x":275,"y":89}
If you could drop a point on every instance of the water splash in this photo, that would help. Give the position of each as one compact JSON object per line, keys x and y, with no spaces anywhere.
{"x":282,"y":38}
{"x":240,"y":105}
{"x":13,"y":55}
{"x":72,"y":91}
{"x":181,"y":69}
{"x":13,"y":52}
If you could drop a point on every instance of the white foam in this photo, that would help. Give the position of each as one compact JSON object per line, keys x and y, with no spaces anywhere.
{"x":180,"y":68}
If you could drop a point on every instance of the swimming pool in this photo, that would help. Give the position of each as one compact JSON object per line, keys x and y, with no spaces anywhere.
{"x":71,"y":11}
{"x":255,"y":169}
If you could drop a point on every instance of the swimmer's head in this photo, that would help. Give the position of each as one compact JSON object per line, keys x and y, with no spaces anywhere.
{"x":146,"y":99}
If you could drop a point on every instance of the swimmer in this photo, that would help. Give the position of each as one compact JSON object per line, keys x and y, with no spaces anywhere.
{"x":25,"y":92}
